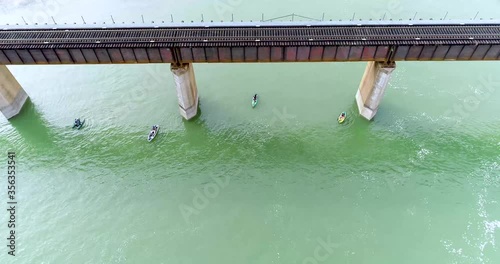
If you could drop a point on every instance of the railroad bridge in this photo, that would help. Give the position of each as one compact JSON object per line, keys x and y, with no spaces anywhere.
{"x":380,"y":43}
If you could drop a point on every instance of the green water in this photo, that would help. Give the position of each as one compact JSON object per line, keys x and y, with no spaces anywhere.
{"x":273,"y":184}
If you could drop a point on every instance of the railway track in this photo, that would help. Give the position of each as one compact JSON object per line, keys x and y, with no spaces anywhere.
{"x":426,"y":33}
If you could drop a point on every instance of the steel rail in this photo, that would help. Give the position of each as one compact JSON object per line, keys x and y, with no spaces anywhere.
{"x":198,"y":35}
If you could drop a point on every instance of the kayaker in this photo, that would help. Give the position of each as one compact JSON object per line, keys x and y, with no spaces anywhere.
{"x":77,"y":122}
{"x":255,"y":97}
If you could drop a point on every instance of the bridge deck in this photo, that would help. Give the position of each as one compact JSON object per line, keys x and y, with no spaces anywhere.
{"x":343,"y":42}
{"x":210,"y":36}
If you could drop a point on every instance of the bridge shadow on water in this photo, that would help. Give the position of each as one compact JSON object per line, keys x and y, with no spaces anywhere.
{"x":34,"y":129}
{"x":194,"y":123}
{"x":196,"y":129}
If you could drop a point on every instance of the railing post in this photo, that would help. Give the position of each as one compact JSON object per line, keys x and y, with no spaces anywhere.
{"x":445,"y":15}
{"x":476,"y":15}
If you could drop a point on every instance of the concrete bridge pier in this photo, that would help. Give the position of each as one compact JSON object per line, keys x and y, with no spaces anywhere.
{"x":372,"y":87}
{"x":12,"y":95}
{"x":187,"y":92}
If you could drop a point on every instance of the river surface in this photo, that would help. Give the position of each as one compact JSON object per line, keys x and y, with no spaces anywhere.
{"x":281,"y":183}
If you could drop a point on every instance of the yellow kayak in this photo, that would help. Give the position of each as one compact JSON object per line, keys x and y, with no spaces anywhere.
{"x":342,"y":117}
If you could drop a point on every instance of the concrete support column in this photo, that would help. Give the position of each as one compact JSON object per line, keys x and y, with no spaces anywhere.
{"x":372,"y":87}
{"x":12,"y":95}
{"x":187,"y":92}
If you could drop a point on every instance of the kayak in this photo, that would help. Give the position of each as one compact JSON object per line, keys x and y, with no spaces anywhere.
{"x":153,"y":133}
{"x":254,"y":102}
{"x":80,"y":126}
{"x":341,"y":118}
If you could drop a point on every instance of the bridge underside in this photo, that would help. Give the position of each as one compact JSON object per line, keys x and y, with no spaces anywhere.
{"x":119,"y":55}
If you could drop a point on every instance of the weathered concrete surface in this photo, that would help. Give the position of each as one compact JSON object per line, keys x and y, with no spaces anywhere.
{"x":372,"y":87}
{"x":187,"y":92}
{"x":12,"y":95}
